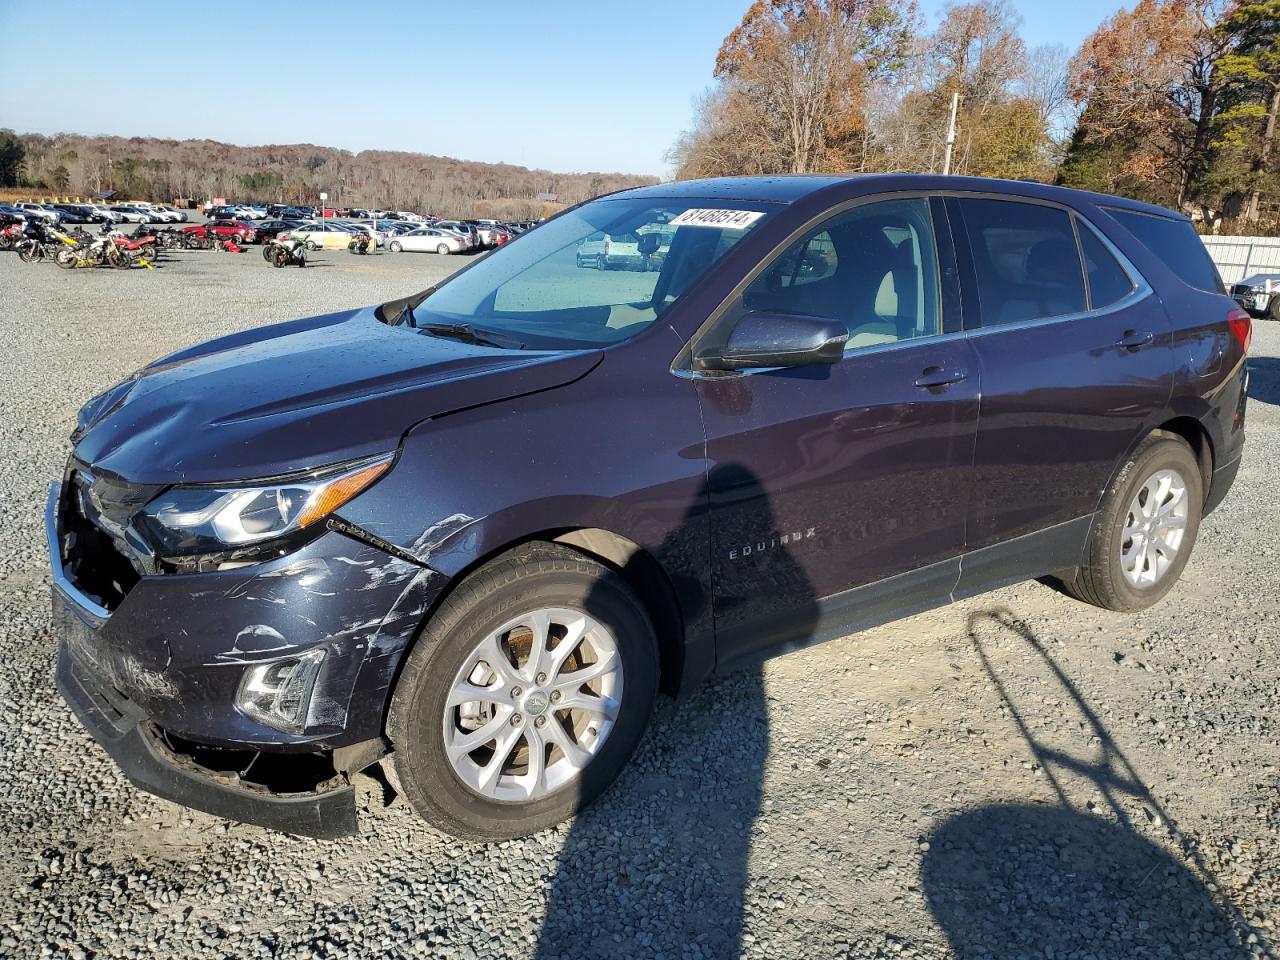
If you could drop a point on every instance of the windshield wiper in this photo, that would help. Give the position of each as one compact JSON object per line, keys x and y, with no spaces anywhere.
{"x":467,"y":333}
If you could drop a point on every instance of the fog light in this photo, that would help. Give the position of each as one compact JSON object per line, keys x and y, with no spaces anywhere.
{"x":278,"y":693}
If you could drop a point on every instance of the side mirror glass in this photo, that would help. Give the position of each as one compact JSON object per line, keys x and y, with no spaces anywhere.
{"x":763,"y":339}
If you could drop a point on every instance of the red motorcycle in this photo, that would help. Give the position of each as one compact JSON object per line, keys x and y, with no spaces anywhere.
{"x":142,"y":244}
{"x":10,"y":235}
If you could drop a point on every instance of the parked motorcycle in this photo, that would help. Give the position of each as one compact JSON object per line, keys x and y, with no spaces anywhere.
{"x":169,"y":238}
{"x":103,"y":250}
{"x":41,"y":241}
{"x":142,"y":243}
{"x":360,"y":243}
{"x":282,"y":253}
{"x":10,"y":236}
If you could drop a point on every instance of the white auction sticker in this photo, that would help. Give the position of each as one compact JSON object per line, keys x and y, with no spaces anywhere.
{"x":726,"y":219}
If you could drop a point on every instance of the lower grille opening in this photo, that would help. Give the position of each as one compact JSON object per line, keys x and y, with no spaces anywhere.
{"x":92,"y":562}
{"x":282,"y":773}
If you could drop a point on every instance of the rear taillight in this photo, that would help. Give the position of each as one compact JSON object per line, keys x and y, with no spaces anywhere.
{"x":1241,"y":325}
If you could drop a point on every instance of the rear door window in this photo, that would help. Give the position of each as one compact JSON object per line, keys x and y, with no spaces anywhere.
{"x":1176,"y":243}
{"x":1108,"y":281}
{"x":1025,"y":260}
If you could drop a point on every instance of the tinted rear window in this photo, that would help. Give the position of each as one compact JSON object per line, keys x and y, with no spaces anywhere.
{"x":1108,"y":281}
{"x":1025,"y":260}
{"x":1177,"y":244}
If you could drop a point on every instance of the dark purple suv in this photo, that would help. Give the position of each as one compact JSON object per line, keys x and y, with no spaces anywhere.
{"x":483,"y":526}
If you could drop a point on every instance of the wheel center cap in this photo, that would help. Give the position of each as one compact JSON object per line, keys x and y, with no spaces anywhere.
{"x":536,"y":703}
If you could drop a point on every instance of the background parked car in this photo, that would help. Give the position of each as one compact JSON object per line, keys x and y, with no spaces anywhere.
{"x":1259,"y":295}
{"x":273,"y":228}
{"x":604,"y":250}
{"x":75,"y":213}
{"x":282,"y":211}
{"x":427,"y":240}
{"x":105,"y":214}
{"x":130,"y":214}
{"x":44,"y":213}
{"x":320,"y":236}
{"x":226,"y":229}
{"x":462,"y":229}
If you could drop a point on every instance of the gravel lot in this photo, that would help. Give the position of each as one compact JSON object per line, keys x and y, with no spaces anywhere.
{"x":1018,"y":775}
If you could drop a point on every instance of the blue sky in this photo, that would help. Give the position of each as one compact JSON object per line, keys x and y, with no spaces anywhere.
{"x":569,"y":86}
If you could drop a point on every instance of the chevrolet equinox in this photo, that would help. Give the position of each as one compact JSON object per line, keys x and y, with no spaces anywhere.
{"x":475,"y":531}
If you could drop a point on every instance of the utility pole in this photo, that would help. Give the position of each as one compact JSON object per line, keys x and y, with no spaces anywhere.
{"x":951,"y":134}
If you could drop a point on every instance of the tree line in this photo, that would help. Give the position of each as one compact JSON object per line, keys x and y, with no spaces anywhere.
{"x":1174,"y":101}
{"x":147,"y":168}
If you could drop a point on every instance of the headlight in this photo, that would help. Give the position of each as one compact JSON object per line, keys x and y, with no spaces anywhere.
{"x":184,"y":521}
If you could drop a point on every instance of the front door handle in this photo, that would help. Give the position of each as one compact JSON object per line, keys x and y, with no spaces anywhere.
{"x":941,"y":376}
{"x":1132,"y":339}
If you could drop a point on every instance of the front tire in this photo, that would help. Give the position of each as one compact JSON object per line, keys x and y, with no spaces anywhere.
{"x":394,"y":246}
{"x":1273,"y":307}
{"x":500,"y":730}
{"x":1143,"y":534}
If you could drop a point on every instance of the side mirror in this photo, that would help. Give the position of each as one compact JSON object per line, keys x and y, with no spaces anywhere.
{"x":777,"y":340}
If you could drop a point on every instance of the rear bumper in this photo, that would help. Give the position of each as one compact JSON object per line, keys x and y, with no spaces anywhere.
{"x":1223,"y":478}
{"x":121,"y":729}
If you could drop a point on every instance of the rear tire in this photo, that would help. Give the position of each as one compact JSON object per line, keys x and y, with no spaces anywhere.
{"x":1117,"y":534}
{"x":537,"y":577}
{"x":443,"y":249}
{"x":1273,"y":307}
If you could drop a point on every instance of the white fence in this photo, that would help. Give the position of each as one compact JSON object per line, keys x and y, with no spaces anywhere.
{"x":1239,"y":257}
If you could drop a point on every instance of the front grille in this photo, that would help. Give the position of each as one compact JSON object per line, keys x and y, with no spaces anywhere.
{"x":100,"y":554}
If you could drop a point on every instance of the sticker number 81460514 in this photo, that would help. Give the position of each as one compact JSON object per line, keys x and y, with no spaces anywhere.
{"x":724,"y":219}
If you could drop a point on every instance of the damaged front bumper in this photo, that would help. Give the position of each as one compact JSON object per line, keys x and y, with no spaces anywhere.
{"x":155,"y":676}
{"x":125,"y":733}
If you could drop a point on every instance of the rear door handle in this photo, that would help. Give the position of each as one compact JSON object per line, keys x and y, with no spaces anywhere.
{"x":1132,"y":339}
{"x":940,"y":377}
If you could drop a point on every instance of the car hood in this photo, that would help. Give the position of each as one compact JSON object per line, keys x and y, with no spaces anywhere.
{"x":298,"y":395}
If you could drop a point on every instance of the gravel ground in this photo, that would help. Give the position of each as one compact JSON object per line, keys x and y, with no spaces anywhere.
{"x":1018,"y":775}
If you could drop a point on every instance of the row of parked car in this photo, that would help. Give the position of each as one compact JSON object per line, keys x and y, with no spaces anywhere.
{"x":421,"y":234}
{"x":58,"y":214}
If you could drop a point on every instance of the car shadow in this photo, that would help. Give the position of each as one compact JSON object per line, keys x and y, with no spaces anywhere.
{"x":1055,"y":880}
{"x":674,"y":880}
{"x":1264,"y":379}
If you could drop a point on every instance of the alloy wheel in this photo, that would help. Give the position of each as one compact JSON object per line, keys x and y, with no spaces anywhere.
{"x":1154,"y":528}
{"x":532,"y":704}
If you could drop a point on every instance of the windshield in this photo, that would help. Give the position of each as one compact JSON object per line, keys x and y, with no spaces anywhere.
{"x":596,"y":275}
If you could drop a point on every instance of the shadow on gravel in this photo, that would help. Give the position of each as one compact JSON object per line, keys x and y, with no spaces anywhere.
{"x":673,"y":882}
{"x":1264,"y":379}
{"x":1012,"y":880}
